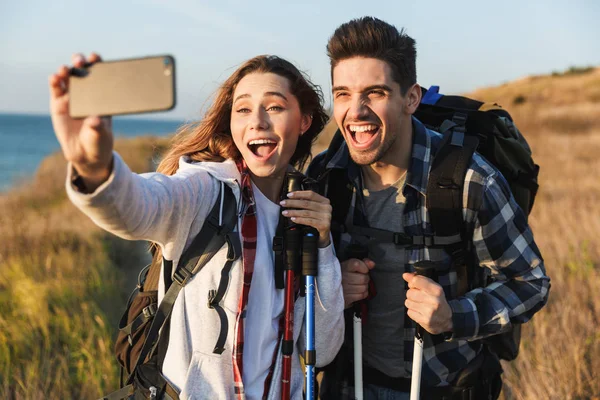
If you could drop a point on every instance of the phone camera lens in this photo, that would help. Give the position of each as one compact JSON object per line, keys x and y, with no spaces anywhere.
{"x":166,"y":61}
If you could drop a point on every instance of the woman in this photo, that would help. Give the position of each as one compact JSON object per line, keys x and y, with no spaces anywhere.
{"x":264,"y":119}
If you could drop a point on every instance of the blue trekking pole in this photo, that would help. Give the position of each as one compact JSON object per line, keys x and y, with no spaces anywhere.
{"x":310,"y":270}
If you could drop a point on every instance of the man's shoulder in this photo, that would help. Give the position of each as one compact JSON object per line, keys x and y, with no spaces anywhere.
{"x":317,"y":165}
{"x":481,"y":170}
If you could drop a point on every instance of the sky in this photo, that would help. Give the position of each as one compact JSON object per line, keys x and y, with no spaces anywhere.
{"x":461,"y":45}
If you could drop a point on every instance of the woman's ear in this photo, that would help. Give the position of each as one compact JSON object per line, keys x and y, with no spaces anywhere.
{"x":305,"y":123}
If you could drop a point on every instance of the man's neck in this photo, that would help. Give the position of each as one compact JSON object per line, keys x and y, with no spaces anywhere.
{"x":380,"y":176}
{"x":392,"y":166}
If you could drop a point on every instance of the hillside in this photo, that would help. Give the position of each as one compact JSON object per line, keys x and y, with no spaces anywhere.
{"x":560,"y":117}
{"x":63,"y":282}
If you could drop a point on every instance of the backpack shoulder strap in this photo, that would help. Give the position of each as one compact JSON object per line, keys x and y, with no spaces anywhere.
{"x":338,"y":189}
{"x":446,"y":180}
{"x":445,"y":196}
{"x":214,"y":233}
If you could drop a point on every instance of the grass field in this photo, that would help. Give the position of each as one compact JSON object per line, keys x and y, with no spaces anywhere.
{"x":63,"y":282}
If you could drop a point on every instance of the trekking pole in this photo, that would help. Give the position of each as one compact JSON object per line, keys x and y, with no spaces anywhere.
{"x":310,"y":270}
{"x":427,"y":270}
{"x":292,"y":241}
{"x":360,"y":252}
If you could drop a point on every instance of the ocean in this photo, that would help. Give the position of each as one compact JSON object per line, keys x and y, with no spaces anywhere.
{"x":25,"y":140}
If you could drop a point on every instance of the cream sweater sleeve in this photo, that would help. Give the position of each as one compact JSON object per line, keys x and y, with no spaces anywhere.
{"x":156,"y":207}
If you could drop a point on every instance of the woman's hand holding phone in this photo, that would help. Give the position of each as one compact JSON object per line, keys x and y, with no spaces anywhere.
{"x":87,"y":143}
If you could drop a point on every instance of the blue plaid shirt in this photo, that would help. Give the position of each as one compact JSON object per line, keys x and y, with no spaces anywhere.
{"x":502,"y":242}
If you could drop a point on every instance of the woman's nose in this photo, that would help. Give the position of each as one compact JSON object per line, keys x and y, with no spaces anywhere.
{"x":259,"y":120}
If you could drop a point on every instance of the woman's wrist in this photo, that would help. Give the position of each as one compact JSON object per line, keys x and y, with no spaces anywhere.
{"x":91,"y":177}
{"x":324,"y":242}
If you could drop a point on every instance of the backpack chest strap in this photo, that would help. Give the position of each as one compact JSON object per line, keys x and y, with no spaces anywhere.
{"x":398,"y":238}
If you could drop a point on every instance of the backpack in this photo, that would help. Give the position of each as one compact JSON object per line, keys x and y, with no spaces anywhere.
{"x":143,"y":336}
{"x":467,"y":125}
{"x":489,"y":130}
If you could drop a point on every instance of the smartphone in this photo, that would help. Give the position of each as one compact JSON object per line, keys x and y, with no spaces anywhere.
{"x":130,"y":86}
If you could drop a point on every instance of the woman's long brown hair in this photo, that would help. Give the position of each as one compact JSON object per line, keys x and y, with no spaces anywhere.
{"x":210,"y":139}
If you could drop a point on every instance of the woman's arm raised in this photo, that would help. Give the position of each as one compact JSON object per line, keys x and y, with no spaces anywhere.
{"x":86,"y":143}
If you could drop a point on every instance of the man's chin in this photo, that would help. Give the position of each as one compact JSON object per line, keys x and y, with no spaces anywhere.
{"x":363,"y":158}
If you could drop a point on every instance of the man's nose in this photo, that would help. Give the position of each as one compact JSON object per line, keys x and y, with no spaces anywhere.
{"x":358,"y":109}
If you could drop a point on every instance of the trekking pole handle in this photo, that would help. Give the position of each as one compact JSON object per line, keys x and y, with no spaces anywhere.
{"x":359,"y":252}
{"x":428,"y":270}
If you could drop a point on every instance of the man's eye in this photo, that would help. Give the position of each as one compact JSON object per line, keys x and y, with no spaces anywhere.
{"x":376,"y":93}
{"x":340,"y":94}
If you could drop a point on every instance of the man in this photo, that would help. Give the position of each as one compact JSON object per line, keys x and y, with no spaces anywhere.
{"x":386,"y":157}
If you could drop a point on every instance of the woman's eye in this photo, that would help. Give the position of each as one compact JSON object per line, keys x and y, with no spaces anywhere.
{"x":275,"y":108}
{"x":243,"y":110}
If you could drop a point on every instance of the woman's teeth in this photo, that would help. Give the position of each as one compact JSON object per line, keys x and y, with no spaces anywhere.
{"x":261,"y":147}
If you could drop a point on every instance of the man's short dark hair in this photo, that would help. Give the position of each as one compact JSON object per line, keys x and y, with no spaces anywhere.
{"x":370,"y":37}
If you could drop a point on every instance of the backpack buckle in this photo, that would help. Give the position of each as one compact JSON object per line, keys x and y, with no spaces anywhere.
{"x":460,"y":119}
{"x":278,"y":245}
{"x":401,"y":239}
{"x":428,"y":241}
{"x":233,"y":246}
{"x":212,"y":294}
{"x":181,"y":276}
{"x":149,"y":311}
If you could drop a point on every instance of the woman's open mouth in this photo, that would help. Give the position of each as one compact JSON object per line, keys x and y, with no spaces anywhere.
{"x":262,"y":148}
{"x":362,"y":136}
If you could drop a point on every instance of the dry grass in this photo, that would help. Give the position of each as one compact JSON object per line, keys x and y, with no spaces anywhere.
{"x":560,"y":117}
{"x":62,"y":282}
{"x":560,"y":352}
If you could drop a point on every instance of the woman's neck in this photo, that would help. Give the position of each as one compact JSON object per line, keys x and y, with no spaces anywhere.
{"x":269,"y":186}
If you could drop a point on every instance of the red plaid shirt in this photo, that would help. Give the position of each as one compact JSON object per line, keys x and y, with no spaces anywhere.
{"x":248,"y":256}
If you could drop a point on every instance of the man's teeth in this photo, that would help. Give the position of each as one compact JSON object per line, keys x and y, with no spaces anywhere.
{"x":362,"y":128}
{"x":261,"y":141}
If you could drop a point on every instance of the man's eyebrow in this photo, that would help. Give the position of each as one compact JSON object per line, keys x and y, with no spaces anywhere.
{"x":246,"y":95}
{"x":378,"y":87}
{"x":338,"y":88}
{"x":372,"y":87}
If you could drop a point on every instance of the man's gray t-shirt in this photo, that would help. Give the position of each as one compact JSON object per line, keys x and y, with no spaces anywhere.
{"x":383,"y":335}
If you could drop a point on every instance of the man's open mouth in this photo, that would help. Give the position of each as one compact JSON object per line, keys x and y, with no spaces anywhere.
{"x":262,"y":148}
{"x":363,"y":135}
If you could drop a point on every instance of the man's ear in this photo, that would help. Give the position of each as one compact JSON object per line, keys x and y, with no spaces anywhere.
{"x":305,"y":123}
{"x":413,"y":98}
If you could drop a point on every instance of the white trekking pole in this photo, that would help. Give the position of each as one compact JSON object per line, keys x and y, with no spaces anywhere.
{"x":356,"y":251}
{"x":357,"y":331}
{"x":427,"y":270}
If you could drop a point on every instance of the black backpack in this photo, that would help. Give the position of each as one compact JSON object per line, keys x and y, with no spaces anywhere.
{"x":467,"y":125}
{"x":489,"y":130}
{"x":143,"y":337}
